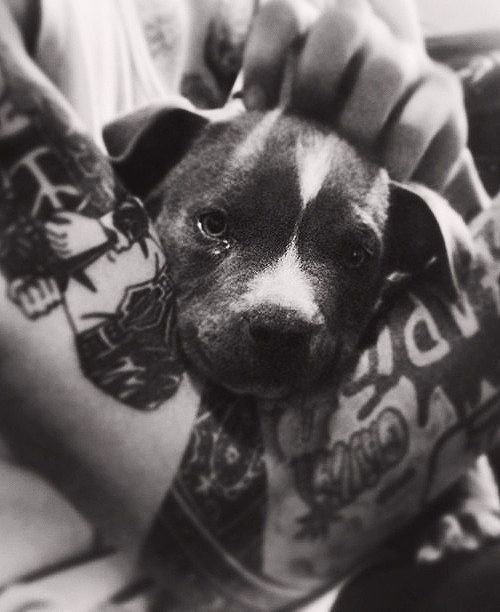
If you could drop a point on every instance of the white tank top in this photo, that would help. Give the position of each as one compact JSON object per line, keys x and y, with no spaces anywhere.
{"x":96,"y":52}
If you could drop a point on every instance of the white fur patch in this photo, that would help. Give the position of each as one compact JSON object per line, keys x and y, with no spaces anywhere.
{"x":255,"y":142}
{"x":315,"y":155}
{"x":284,"y":284}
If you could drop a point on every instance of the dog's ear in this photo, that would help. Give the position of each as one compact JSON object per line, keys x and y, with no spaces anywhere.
{"x":144,"y":145}
{"x":426,"y":234}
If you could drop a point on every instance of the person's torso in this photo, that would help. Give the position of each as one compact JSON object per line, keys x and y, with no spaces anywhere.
{"x":112,"y":56}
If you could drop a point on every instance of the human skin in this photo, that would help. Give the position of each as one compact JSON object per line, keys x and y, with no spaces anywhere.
{"x":36,"y":119}
{"x":362,"y":67}
{"x":395,"y":79}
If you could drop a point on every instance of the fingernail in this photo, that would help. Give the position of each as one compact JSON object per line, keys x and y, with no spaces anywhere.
{"x":254,"y":98}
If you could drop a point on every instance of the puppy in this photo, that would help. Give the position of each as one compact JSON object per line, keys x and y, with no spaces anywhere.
{"x":282,"y":240}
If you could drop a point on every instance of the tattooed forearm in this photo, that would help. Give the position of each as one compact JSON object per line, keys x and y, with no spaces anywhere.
{"x":72,"y":238}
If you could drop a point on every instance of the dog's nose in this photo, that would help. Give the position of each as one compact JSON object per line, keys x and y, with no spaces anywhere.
{"x":277,"y":329}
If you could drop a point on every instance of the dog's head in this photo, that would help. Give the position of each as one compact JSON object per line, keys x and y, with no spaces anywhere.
{"x":280,"y":236}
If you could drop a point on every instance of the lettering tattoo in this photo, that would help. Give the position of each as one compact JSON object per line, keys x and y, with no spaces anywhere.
{"x":415,"y":355}
{"x":67,"y":227}
{"x":333,"y":478}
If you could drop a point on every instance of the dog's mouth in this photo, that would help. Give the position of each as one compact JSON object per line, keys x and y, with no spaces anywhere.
{"x":247,"y":379}
{"x":272,"y":375}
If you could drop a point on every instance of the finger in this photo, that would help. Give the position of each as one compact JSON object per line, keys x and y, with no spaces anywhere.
{"x":389,"y":69}
{"x":331,"y":47}
{"x":412,"y":129}
{"x":402,"y":17}
{"x":275,"y":28}
{"x":465,"y":190}
{"x":442,"y":154}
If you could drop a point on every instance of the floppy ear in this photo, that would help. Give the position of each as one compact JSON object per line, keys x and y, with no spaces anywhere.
{"x":426,"y":234}
{"x":144,"y":145}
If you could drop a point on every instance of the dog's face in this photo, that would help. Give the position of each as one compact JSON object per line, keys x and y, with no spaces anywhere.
{"x":280,"y":237}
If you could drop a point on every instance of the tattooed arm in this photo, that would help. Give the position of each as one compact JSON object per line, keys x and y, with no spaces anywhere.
{"x":87,"y":337}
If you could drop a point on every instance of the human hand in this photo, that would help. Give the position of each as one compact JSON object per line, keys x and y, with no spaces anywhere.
{"x":368,"y":76}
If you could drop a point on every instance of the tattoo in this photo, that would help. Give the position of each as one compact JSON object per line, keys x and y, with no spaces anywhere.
{"x":333,"y":478}
{"x":395,"y":486}
{"x":131,"y":354}
{"x":67,"y":226}
{"x":219,"y":495}
{"x":416,"y":357}
{"x":165,"y":30}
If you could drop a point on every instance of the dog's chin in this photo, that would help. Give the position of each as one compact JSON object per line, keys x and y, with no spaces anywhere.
{"x":249,"y":377}
{"x":248,"y":382}
{"x":261,"y":391}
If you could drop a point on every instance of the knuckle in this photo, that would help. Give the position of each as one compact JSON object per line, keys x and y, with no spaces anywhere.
{"x":411,"y":59}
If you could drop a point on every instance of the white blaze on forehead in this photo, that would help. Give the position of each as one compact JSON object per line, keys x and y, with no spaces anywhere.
{"x":255,"y":141}
{"x":315,"y":155}
{"x":284,"y":284}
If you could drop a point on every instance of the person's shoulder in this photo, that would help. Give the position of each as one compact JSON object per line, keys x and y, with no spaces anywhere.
{"x":26,"y":14}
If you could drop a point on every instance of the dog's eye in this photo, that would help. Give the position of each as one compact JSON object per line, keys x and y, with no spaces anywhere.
{"x":356,"y":256}
{"x":213,"y":223}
